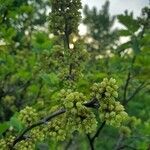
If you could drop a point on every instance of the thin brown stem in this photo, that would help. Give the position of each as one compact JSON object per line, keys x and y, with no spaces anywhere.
{"x":68,"y":144}
{"x":127,"y":147}
{"x":90,"y":142}
{"x":98,"y":131}
{"x":136,"y":91}
{"x":92,"y":139}
{"x":128,"y":80}
{"x":126,"y":87}
{"x":119,"y":142}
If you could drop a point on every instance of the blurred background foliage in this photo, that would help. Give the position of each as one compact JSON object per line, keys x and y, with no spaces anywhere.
{"x":30,"y":73}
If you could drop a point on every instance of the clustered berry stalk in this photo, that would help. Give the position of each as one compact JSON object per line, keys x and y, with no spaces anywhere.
{"x":65,"y":17}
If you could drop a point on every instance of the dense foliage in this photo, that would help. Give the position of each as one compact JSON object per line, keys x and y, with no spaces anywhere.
{"x":59,"y":92}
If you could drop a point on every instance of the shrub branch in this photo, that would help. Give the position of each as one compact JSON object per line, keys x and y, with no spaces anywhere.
{"x":45,"y":120}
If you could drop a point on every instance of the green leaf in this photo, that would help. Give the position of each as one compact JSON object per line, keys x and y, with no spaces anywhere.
{"x":53,"y":78}
{"x":24,"y":74}
{"x":16,"y":123}
{"x":42,"y":146}
{"x":50,"y":79}
{"x":124,"y":46}
{"x":128,"y":21}
{"x":124,"y":32}
{"x":3,"y":127}
{"x":135,"y":45}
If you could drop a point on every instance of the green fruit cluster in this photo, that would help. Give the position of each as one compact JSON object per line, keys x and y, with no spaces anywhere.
{"x":25,"y":145}
{"x":110,"y":110}
{"x":34,"y":136}
{"x":3,"y":145}
{"x":125,"y":131}
{"x":65,"y":15}
{"x":71,"y":60}
{"x":107,"y":89}
{"x":55,"y":129}
{"x":9,"y":140}
{"x":130,"y":124}
{"x":72,"y":100}
{"x":37,"y":134}
{"x":6,"y":143}
{"x":9,"y":102}
{"x":78,"y":116}
{"x":28,"y":116}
